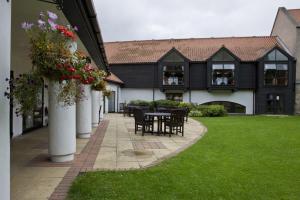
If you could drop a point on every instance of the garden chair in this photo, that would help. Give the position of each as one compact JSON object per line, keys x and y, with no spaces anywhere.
{"x":175,"y":122}
{"x":146,"y":123}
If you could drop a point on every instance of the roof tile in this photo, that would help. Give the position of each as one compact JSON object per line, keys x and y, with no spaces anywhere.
{"x":195,"y":49}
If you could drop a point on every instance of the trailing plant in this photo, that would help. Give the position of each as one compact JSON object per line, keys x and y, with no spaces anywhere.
{"x":107,"y":92}
{"x":101,"y":86}
{"x":25,"y":92}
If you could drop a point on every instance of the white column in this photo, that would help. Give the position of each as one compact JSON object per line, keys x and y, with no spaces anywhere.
{"x":5,"y":35}
{"x":101,"y":106}
{"x":62,"y":127}
{"x":84,"y":114}
{"x":95,"y":107}
{"x":17,"y":123}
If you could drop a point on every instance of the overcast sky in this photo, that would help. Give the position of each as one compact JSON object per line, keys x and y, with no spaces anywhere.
{"x":158,"y":19}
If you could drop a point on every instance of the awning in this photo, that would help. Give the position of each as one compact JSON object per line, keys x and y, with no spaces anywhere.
{"x":81,"y":13}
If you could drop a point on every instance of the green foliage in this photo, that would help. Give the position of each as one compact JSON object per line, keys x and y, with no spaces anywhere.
{"x":140,"y":103}
{"x":212,"y":110}
{"x":195,"y":113}
{"x":166,"y":103}
{"x":107,"y":92}
{"x":185,"y":105}
{"x":101,"y":86}
{"x":25,"y":92}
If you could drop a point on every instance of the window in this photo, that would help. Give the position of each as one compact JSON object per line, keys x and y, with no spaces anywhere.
{"x":174,"y":96}
{"x":173,"y":75}
{"x":223,"y":74}
{"x":276,"y":69}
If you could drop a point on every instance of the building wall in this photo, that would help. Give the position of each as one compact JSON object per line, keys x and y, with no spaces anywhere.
{"x":5,"y":53}
{"x":129,"y":94}
{"x":244,"y":98}
{"x":288,"y":32}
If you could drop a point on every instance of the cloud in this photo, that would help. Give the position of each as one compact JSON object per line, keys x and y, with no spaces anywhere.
{"x":156,"y":19}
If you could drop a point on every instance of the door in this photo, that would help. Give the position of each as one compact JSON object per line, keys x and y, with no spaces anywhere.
{"x":112,"y":102}
{"x":274,"y":104}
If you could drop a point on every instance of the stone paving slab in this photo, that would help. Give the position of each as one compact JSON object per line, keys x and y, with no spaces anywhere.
{"x":121,"y":149}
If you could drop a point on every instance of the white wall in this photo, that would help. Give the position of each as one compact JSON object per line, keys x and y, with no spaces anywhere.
{"x":129,"y":94}
{"x":5,"y":35}
{"x":244,"y":98}
{"x":158,"y":95}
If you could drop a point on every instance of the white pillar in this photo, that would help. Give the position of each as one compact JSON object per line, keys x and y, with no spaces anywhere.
{"x":17,"y":123}
{"x":84,"y":114}
{"x":62,"y":128}
{"x":5,"y":35}
{"x":101,"y":106}
{"x":95,"y":107}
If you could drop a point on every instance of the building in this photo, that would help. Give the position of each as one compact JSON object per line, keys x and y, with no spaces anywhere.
{"x":14,"y":60}
{"x":250,"y":75}
{"x":287,"y":27}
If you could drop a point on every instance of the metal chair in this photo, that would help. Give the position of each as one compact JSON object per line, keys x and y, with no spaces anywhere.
{"x":140,"y":120}
{"x":175,"y":122}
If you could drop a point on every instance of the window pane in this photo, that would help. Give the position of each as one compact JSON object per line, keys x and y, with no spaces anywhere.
{"x":222,"y":56}
{"x":282,"y":74}
{"x":271,"y":56}
{"x":217,"y":66}
{"x":280,"y":56}
{"x":173,"y":75}
{"x":270,"y":74}
{"x":223,"y":74}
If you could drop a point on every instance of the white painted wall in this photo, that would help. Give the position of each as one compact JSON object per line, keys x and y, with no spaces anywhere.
{"x":129,"y":94}
{"x":244,"y":98}
{"x":158,"y":95}
{"x":5,"y":54}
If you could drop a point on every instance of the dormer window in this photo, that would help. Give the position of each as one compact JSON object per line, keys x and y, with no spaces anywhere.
{"x":276,"y":69}
{"x":223,"y":69}
{"x":173,"y":75}
{"x":223,"y":74}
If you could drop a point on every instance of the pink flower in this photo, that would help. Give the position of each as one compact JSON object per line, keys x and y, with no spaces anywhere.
{"x":52,"y":15}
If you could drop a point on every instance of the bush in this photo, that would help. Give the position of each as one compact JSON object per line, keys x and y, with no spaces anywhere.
{"x":166,"y":103}
{"x":140,"y":103}
{"x":212,"y":110}
{"x":185,"y":105}
{"x":195,"y":113}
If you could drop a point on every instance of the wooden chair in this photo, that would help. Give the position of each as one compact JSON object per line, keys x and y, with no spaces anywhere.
{"x":175,"y":122}
{"x":145,"y":122}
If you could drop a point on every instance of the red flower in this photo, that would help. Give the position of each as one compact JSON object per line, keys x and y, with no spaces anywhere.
{"x":76,"y":76}
{"x":71,"y":69}
{"x":58,"y":66}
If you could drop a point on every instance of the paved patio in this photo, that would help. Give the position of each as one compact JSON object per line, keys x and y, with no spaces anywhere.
{"x":113,"y":146}
{"x":122,"y":149}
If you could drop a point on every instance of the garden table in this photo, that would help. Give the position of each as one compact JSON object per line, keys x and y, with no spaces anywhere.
{"x":159,"y":117}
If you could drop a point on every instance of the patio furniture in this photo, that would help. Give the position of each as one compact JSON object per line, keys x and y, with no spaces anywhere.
{"x":140,"y":119}
{"x":160,"y":119}
{"x":175,"y":122}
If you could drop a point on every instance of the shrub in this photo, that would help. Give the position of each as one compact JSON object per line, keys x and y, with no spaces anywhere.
{"x":165,"y":103}
{"x":139,"y":103}
{"x":185,"y":105}
{"x":212,"y":110}
{"x":195,"y":113}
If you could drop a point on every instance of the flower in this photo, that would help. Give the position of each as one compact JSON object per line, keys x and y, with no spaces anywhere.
{"x":52,"y":24}
{"x":75,"y":28}
{"x":41,"y":23}
{"x":26,"y":25}
{"x":52,"y":15}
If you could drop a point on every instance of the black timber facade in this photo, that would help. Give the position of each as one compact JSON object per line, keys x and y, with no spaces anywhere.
{"x":198,"y":76}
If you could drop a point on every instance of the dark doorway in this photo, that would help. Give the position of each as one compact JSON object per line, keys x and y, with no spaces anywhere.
{"x":112,"y":102}
{"x":274,"y":104}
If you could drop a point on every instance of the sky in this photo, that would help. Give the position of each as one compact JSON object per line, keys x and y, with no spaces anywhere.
{"x":122,"y":20}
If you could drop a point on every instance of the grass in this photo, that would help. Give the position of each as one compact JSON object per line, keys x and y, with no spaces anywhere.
{"x":239,"y":158}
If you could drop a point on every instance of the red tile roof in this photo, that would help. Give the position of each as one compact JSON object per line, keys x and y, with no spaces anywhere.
{"x":113,"y":78}
{"x":195,"y":49}
{"x":295,"y":14}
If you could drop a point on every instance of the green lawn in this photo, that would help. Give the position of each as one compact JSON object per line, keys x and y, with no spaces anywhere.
{"x":239,"y":158}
